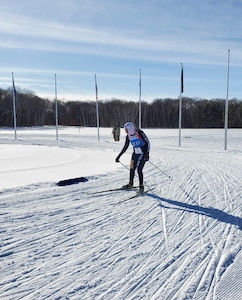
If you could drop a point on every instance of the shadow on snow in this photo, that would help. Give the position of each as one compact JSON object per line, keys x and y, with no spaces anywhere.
{"x":214,"y":213}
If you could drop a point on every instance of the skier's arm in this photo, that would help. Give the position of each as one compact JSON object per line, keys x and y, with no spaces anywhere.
{"x":146,"y":147}
{"x":126,"y":145}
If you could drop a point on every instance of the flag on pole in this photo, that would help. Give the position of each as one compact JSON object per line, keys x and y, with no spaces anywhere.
{"x":140,"y":79}
{"x":14,"y":109}
{"x":180,"y":105}
{"x":56,"y":109}
{"x":182,"y":85}
{"x":96,"y":88}
{"x":14,"y":89}
{"x":97,"y":112}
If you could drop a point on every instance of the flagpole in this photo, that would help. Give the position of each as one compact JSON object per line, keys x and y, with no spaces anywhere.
{"x":180,"y":105}
{"x":14,"y":109}
{"x":97,"y":112}
{"x":226,"y":107}
{"x":56,"y":110}
{"x":139,"y":98}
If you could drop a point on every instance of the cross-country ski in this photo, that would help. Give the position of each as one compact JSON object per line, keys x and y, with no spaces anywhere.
{"x":137,"y":194}
{"x":114,"y":190}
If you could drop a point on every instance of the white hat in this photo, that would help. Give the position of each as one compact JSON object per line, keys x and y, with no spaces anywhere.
{"x":129,"y":126}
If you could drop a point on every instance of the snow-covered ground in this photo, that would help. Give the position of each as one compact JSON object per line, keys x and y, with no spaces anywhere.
{"x":182,"y":240}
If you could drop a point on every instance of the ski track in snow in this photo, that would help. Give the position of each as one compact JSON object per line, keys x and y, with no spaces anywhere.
{"x":180,"y":241}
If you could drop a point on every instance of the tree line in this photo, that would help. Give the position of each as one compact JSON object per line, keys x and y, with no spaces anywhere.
{"x":32,"y":110}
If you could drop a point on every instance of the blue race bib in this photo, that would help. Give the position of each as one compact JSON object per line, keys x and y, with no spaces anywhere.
{"x":137,"y":142}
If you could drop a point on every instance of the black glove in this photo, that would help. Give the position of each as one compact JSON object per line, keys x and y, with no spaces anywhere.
{"x":117,"y":158}
{"x":147,"y":156}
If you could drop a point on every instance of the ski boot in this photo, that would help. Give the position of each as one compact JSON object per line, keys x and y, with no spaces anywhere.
{"x":127,"y":186}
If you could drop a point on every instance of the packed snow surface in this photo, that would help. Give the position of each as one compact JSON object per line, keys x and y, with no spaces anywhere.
{"x":181,"y":240}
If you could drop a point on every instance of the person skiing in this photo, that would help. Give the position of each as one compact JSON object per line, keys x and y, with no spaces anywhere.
{"x":141,"y":149}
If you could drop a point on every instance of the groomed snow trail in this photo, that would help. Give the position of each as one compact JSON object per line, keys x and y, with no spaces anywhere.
{"x":180,"y":241}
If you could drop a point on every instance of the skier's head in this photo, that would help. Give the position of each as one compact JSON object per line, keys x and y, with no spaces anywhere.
{"x":129,"y":128}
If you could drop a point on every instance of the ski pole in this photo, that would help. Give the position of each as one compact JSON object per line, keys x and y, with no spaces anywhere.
{"x":160,"y":170}
{"x":123,"y":165}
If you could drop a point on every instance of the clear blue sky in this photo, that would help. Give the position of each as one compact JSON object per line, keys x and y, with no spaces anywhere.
{"x":76,"y":39}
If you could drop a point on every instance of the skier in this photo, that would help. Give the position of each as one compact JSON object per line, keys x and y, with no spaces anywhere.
{"x":141,"y":149}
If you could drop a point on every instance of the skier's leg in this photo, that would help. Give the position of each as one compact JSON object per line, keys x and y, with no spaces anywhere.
{"x":141,"y":164}
{"x":133,"y":165}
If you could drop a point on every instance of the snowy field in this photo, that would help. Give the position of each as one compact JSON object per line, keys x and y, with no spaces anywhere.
{"x":182,"y":240}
